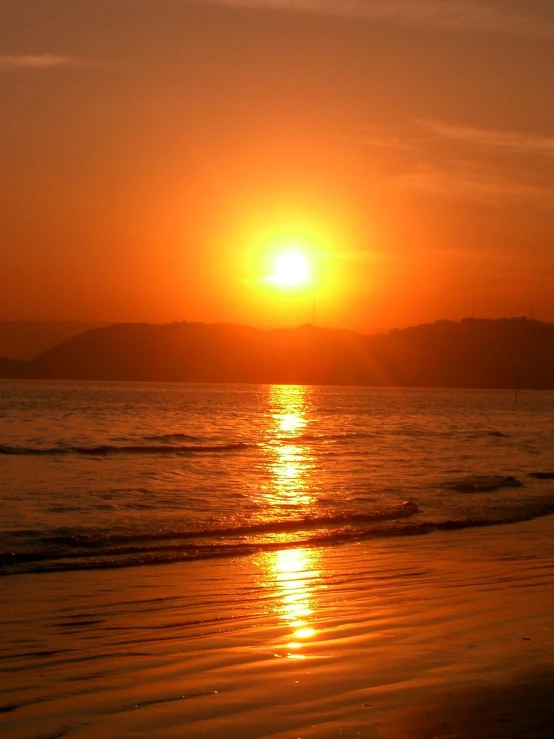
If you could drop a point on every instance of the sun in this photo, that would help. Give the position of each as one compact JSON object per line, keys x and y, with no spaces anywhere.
{"x":291,"y":268}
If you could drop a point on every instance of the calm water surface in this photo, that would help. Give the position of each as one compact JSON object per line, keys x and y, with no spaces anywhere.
{"x":114,"y":474}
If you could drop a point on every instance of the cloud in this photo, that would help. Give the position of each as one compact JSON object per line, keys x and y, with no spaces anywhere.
{"x":38,"y":61}
{"x":470,"y":182}
{"x":386,"y":142}
{"x":467,"y":15}
{"x":378,"y":137}
{"x":512,"y":141}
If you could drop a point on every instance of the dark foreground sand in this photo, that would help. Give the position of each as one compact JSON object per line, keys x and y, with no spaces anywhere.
{"x":520,"y":706}
{"x":447,"y":635}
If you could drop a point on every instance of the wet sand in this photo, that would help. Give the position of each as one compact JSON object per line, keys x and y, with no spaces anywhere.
{"x":445,"y":635}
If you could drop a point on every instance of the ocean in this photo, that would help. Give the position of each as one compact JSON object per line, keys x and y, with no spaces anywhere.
{"x":112,"y":475}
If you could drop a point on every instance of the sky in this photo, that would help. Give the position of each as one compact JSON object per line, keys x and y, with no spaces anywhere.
{"x":155,"y":154}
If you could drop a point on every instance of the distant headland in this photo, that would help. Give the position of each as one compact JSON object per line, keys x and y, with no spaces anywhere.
{"x":472,"y":353}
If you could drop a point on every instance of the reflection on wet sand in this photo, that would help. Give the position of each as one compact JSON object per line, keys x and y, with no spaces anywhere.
{"x":296,"y":578}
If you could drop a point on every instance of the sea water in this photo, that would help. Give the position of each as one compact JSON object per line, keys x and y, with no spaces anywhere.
{"x":98,"y":475}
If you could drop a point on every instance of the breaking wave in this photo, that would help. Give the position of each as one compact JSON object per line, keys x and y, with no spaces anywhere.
{"x":67,"y":550}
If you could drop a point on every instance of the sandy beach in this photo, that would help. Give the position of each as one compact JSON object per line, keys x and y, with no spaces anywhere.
{"x":452,"y":638}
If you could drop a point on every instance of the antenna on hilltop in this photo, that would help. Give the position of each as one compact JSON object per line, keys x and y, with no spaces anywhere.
{"x":518,"y":384}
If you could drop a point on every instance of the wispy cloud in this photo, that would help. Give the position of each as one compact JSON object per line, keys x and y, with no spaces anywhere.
{"x":468,"y":15}
{"x":512,"y":141}
{"x":36,"y":61}
{"x":386,"y":142}
{"x":378,"y":137}
{"x":463,"y":181}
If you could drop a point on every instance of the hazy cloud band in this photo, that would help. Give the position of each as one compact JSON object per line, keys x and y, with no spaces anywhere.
{"x":35,"y":61}
{"x":493,"y":139}
{"x":456,"y":14}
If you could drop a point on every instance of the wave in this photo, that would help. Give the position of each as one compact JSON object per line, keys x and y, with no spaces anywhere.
{"x":333,"y":437}
{"x":410,"y":432}
{"x":37,"y":547}
{"x":404,"y":510}
{"x":103,"y":450}
{"x":171,"y":438}
{"x":94,"y":539}
{"x":485,"y":483}
{"x":69,"y":551}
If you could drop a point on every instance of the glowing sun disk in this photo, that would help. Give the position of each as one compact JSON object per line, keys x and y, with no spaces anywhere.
{"x":290,"y":269}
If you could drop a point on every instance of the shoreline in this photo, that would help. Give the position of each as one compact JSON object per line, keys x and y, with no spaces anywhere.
{"x":450,"y":636}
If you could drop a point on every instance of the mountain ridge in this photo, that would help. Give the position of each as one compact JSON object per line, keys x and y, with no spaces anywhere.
{"x":26,"y":339}
{"x":488,"y":353}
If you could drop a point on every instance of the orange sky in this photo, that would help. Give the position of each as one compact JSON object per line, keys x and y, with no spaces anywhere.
{"x":152,"y":151}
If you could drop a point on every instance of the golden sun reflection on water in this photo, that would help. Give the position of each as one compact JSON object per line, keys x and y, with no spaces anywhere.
{"x":292,"y":464}
{"x":289,"y":422}
{"x":295,"y":575}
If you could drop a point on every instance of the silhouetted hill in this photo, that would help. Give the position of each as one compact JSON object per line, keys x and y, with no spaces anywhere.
{"x":18,"y":369}
{"x":470,"y":353}
{"x":197,"y":352}
{"x":26,"y":339}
